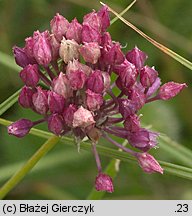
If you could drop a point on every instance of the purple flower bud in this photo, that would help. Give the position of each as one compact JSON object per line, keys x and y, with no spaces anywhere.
{"x":103,"y":182}
{"x":55,"y":124}
{"x":90,"y":52}
{"x":148,"y":163}
{"x":137,"y":57}
{"x":68,"y":114}
{"x":89,"y":34}
{"x":40,"y":101}
{"x":25,"y":97}
{"x":106,"y":40}
{"x":29,"y":44}
{"x":69,"y":50}
{"x":137,"y":95}
{"x":114,"y":55}
{"x":74,"y":31}
{"x":93,"y":21}
{"x":59,"y":26}
{"x":77,"y":79}
{"x":56,"y":102}
{"x":21,"y":58}
{"x":30,"y":75}
{"x":20,"y":128}
{"x":61,"y":86}
{"x":55,"y":45}
{"x":93,"y":100}
{"x":148,"y":76}
{"x":127,"y":107}
{"x":170,"y":90}
{"x":128,"y":76}
{"x":95,"y":82}
{"x":103,"y":14}
{"x":143,"y":139}
{"x":153,"y":88}
{"x":83,"y":118}
{"x":76,"y":65}
{"x":122,"y":67}
{"x":132,"y":123}
{"x":42,"y":48}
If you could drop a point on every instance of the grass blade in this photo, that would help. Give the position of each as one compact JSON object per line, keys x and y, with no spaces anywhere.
{"x":123,"y":12}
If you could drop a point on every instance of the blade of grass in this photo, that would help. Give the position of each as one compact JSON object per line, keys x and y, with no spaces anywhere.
{"x":8,"y":61}
{"x":20,"y":174}
{"x":9,"y":102}
{"x":166,"y":50}
{"x":123,"y":156}
{"x":177,"y":170}
{"x":123,"y":12}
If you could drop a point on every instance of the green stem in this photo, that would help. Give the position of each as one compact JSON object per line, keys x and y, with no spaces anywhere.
{"x":19,"y":175}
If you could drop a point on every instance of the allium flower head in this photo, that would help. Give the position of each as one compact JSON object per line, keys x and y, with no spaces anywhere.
{"x":75,"y":62}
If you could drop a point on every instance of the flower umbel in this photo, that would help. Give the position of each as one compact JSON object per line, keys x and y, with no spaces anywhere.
{"x":75,"y":62}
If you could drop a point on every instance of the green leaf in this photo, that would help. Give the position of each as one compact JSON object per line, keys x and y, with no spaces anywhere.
{"x":9,"y":102}
{"x":163,"y":48}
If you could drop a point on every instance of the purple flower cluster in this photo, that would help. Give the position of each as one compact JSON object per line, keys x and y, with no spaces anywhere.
{"x":67,"y":76}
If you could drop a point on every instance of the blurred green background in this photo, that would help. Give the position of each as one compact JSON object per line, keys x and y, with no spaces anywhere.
{"x":65,"y":173}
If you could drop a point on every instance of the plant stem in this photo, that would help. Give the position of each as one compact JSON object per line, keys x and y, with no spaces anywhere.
{"x":20,"y":174}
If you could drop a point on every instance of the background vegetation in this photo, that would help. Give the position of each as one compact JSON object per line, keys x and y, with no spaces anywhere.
{"x":64,"y":173}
